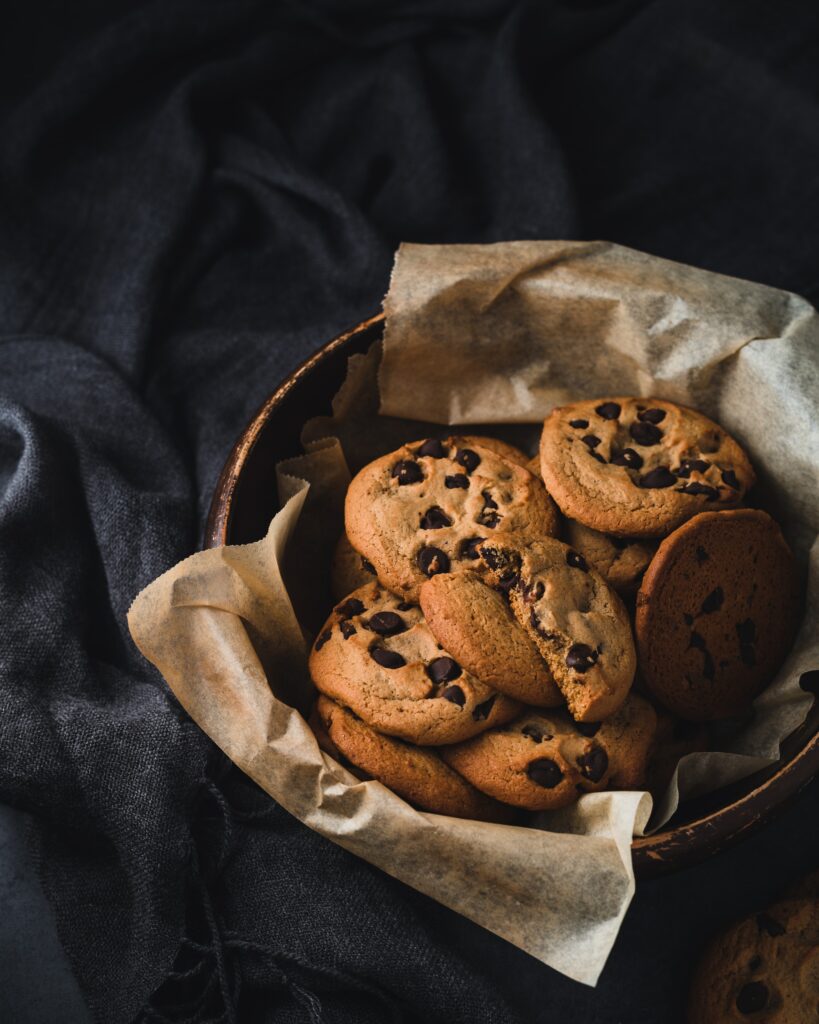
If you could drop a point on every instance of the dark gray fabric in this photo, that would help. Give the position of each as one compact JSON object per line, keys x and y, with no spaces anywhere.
{"x":193,"y":196}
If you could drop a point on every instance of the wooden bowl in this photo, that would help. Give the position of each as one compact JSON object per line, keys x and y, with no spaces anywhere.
{"x":245,"y":500}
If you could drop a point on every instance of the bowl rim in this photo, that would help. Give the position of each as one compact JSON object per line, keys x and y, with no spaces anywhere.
{"x":669,"y":849}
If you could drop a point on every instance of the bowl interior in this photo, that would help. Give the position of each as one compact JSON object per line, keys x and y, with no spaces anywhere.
{"x":246,"y":498}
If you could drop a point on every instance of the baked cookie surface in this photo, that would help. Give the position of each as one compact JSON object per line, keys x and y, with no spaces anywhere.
{"x":422,"y":509}
{"x":717,"y":612}
{"x":577,"y":622}
{"x":476,"y":625}
{"x":765,"y":968}
{"x":417,"y":774}
{"x":543,"y":760}
{"x":619,"y":561}
{"x":377,"y":656}
{"x":639,"y":467}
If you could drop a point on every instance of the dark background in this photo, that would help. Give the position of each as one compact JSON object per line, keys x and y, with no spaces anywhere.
{"x":194,"y":196}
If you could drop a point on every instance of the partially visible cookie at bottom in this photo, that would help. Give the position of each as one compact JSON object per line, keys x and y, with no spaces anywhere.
{"x":765,"y":968}
{"x":414,"y":773}
{"x":543,"y":760}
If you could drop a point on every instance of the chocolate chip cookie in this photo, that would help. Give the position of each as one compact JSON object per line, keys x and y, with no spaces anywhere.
{"x":577,"y":622}
{"x":639,"y":467}
{"x":716,"y":613}
{"x":348,"y":570}
{"x":376,"y":656}
{"x":476,"y":625}
{"x":422,"y":510}
{"x":415,"y":773}
{"x":766,"y":968}
{"x":621,"y":562}
{"x":544,"y":760}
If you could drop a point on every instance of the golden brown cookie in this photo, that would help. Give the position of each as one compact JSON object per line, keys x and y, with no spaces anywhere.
{"x":716,"y":614}
{"x":422,"y":509}
{"x":349,"y":570}
{"x":621,"y":562}
{"x":577,"y":622}
{"x":415,"y":773}
{"x":376,"y":656}
{"x":476,"y":625}
{"x":765,"y":969}
{"x":543,"y":759}
{"x":639,"y":467}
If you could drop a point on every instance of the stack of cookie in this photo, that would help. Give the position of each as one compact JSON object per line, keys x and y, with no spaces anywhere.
{"x":476,"y":662}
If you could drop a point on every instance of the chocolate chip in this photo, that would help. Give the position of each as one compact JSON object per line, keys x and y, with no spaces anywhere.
{"x":498,"y":559}
{"x":711,"y":493}
{"x":322,"y":640}
{"x":544,"y":772}
{"x":407,"y":472}
{"x":597,"y":456}
{"x":482,"y":711}
{"x":689,"y":619}
{"x":534,"y":591}
{"x":488,"y":500}
{"x":508,"y":581}
{"x":386,"y":659}
{"x":455,"y":695}
{"x":443,"y":670}
{"x":689,"y":466}
{"x":593,"y":765}
{"x":405,"y":606}
{"x":367,"y":566}
{"x":702,"y":555}
{"x":591,"y":440}
{"x":651,"y":416}
{"x":746,"y":631}
{"x":768,"y":924}
{"x":432,"y":448}
{"x":468,"y":459}
{"x":697,"y":641}
{"x":628,"y":458}
{"x":469,"y":548}
{"x":659,"y":477}
{"x":708,"y":669}
{"x":576,"y":561}
{"x":645,"y":434}
{"x":713,"y":602}
{"x":579,"y":424}
{"x":587,"y":728}
{"x":347,"y":629}
{"x":435,"y":519}
{"x":755,"y":963}
{"x":752,"y":997}
{"x":608,"y":410}
{"x":532,"y":732}
{"x":352,"y":606}
{"x":457,"y":481}
{"x":488,"y":519}
{"x":729,"y":477}
{"x":581,"y":657}
{"x":386,"y":624}
{"x":432,"y":561}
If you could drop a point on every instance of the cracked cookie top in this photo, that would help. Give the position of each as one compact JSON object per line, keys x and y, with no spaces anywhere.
{"x":423,"y":509}
{"x":639,"y":467}
{"x":377,"y":656}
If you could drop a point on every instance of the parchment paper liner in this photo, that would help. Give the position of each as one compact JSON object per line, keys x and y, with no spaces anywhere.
{"x":496,"y":334}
